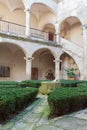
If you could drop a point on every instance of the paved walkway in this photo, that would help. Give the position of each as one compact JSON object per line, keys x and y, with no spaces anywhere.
{"x":34,"y":117}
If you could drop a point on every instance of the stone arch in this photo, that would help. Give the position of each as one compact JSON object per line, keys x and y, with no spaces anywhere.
{"x":70,"y":29}
{"x":24,"y":3}
{"x":47,"y":23}
{"x":50,"y":25}
{"x":49,"y":32}
{"x":12,"y":56}
{"x":42,"y":47}
{"x":43,"y":66}
{"x":40,"y":11}
{"x":14,"y":5}
{"x":75,"y":61}
{"x":16,"y":44}
{"x":68,"y":16}
{"x":47,"y":3}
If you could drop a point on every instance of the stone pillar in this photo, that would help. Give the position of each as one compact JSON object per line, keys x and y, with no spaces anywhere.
{"x":57,"y":69}
{"x":57,"y":33}
{"x":85,"y":52}
{"x":27,"y":23}
{"x":28,"y":67}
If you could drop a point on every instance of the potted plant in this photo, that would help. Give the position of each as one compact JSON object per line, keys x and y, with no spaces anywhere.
{"x":71,"y":73}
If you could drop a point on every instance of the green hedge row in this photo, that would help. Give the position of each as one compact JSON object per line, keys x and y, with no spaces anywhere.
{"x":37,"y":83}
{"x":8,"y":84}
{"x":65,"y":100}
{"x":26,"y":83}
{"x":31,"y":83}
{"x":83,"y":84}
{"x":14,"y":99}
{"x":70,"y":83}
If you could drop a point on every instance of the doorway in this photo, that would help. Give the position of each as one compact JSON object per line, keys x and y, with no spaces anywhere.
{"x":51,"y":36}
{"x":34,"y":75}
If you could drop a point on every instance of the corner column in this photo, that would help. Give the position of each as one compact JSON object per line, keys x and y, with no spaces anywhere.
{"x":28,"y":67}
{"x":57,"y":33}
{"x":84,"y":27}
{"x":57,"y":69}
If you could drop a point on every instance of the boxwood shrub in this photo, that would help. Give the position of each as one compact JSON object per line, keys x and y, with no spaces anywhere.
{"x":25,"y":83}
{"x":70,"y":83}
{"x":8,"y":84}
{"x":65,"y":100}
{"x":14,"y":99}
{"x":82,"y":84}
{"x":31,"y":83}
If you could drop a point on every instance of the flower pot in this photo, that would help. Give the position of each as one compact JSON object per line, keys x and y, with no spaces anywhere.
{"x":72,"y":78}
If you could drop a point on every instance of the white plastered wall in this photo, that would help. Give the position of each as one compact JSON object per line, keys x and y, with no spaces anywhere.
{"x":17,"y":16}
{"x":76,"y":34}
{"x":13,"y":57}
{"x":68,"y":62}
{"x":43,"y":63}
{"x":46,"y":19}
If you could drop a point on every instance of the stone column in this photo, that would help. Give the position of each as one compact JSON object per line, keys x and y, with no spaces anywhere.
{"x":28,"y":67}
{"x":57,"y":69}
{"x":85,"y":52}
{"x":27,"y":23}
{"x":57,"y":33}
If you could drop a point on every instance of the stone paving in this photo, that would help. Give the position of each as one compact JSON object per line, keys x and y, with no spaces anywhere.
{"x":34,"y":117}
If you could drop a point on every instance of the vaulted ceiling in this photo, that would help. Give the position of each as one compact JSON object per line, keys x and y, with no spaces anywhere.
{"x":37,"y":9}
{"x":16,"y":4}
{"x":13,"y":4}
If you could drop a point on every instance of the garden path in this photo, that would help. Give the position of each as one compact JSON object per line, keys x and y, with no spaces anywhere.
{"x":34,"y":117}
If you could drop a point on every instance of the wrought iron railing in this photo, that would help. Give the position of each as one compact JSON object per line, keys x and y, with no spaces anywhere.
{"x":19,"y":30}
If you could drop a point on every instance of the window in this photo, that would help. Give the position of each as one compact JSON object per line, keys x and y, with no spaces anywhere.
{"x":4,"y":71}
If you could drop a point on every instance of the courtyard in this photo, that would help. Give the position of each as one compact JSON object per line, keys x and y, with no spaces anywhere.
{"x":35,"y":117}
{"x":43,"y":65}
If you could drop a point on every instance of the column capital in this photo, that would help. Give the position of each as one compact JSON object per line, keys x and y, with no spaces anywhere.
{"x":28,"y":58}
{"x":27,"y":10}
{"x":57,"y":61}
{"x":84,"y":26}
{"x":56,"y":22}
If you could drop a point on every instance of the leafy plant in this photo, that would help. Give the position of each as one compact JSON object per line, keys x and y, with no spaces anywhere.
{"x":71,"y":72}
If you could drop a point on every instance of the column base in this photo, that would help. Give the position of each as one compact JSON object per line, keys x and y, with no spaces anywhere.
{"x":58,"y":80}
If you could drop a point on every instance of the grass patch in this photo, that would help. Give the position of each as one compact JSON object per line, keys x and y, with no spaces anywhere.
{"x":47,"y":111}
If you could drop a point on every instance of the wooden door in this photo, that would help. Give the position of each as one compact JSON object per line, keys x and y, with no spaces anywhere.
{"x":51,"y":36}
{"x":34,"y":75}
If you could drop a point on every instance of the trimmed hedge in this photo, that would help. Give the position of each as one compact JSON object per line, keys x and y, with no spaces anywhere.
{"x":31,"y":83}
{"x":66,"y":100}
{"x":6,"y":84}
{"x":83,"y":84}
{"x":14,"y":99}
{"x":70,"y":83}
{"x":26,"y":83}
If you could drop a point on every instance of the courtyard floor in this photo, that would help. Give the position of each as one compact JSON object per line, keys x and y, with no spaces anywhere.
{"x":34,"y":117}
